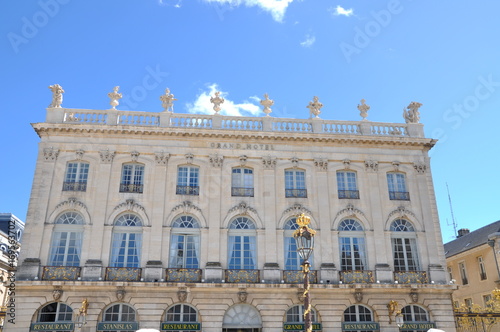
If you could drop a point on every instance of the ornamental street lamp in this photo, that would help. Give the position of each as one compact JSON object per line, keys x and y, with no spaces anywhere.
{"x":304,"y":237}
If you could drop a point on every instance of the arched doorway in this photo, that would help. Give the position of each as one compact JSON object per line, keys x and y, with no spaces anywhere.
{"x":242,"y":318}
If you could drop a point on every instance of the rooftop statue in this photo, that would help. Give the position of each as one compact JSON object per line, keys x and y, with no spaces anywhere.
{"x":167,"y":101}
{"x":267,"y":103}
{"x":411,"y":113}
{"x":57,"y":97}
{"x":315,"y":107}
{"x":363,"y":109}
{"x":217,"y":101}
{"x":114,"y":96}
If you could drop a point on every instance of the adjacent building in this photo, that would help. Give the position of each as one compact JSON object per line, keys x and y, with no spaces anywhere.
{"x":472,"y":262}
{"x":184,"y":222}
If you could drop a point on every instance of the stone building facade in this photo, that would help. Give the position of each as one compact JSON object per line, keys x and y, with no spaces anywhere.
{"x":184,"y":222}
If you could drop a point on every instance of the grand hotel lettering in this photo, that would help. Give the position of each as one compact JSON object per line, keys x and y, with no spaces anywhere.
{"x":242,"y":146}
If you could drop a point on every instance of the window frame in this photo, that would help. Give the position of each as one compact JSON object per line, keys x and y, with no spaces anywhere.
{"x":76,"y":177}
{"x":404,"y":245}
{"x":462,"y":268}
{"x":347,"y":184}
{"x":131,"y":232}
{"x":242,"y":183}
{"x":397,"y":186}
{"x":67,"y":239}
{"x":242,"y":234}
{"x":482,"y":268}
{"x":132,"y":181}
{"x":188,"y":180}
{"x":353,"y":236}
{"x":295,"y":183}
{"x":188,"y":227}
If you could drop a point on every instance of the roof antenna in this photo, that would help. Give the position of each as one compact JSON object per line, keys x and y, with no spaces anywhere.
{"x":452,"y":215}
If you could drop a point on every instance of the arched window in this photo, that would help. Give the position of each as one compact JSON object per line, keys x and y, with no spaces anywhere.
{"x":66,"y":244}
{"x":352,"y":245}
{"x":127,"y":241}
{"x":122,"y":313}
{"x":358,"y":314}
{"x":295,"y":315}
{"x":292,"y":258}
{"x":76,"y":176}
{"x":242,"y":246}
{"x":404,"y":246}
{"x":181,"y":313}
{"x":414,"y":314}
{"x":396,"y":183}
{"x":242,"y":182}
{"x":132,"y":180}
{"x":55,"y":312}
{"x":185,"y":243}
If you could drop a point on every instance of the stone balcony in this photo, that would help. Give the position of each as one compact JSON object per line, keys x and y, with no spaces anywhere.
{"x":113,"y":117}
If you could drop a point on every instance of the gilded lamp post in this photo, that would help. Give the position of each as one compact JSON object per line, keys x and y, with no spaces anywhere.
{"x":304,"y":237}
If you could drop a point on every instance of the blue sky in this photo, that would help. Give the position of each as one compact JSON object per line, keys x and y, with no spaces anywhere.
{"x":443,"y":54}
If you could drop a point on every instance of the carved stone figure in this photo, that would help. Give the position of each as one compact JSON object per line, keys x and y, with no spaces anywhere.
{"x":242,"y":296}
{"x":182,"y":295}
{"x":414,"y":296}
{"x":358,"y":295}
{"x":167,"y":101}
{"x":56,"y":294}
{"x":411,"y":113}
{"x":215,"y":160}
{"x":363,"y":109}
{"x":57,"y":97}
{"x":217,"y":101}
{"x":315,"y":107}
{"x":114,"y":96}
{"x":267,"y":103}
{"x":120,"y":294}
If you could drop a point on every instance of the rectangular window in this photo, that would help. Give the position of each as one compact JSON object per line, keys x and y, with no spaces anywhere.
{"x":242,"y":182}
{"x":184,"y":251}
{"x":132,"y":178}
{"x":126,"y":250}
{"x":346,"y":185}
{"x":188,"y":181}
{"x":463,"y":273}
{"x":76,"y":177}
{"x":487,"y":301}
{"x":295,"y":183}
{"x":450,"y":273}
{"x":352,"y":253}
{"x":405,"y":254}
{"x":468,"y":303}
{"x":242,"y":253}
{"x":397,"y":187}
{"x":482,"y":268}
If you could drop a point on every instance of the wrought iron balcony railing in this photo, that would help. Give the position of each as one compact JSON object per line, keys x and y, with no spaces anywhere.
{"x":352,"y":194}
{"x":411,"y":277}
{"x":301,"y":193}
{"x":297,"y":276}
{"x":399,"y":195}
{"x":188,"y":190}
{"x":60,"y":272}
{"x":357,"y":277}
{"x":244,"y":192}
{"x":242,"y":276}
{"x":183,"y":275}
{"x":123,"y":273}
{"x":74,"y":186}
{"x":131,"y":188}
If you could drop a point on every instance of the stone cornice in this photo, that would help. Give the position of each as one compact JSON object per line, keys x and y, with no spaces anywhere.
{"x":43,"y":129}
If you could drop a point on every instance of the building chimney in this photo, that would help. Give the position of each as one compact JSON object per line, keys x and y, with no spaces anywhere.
{"x":463,"y":231}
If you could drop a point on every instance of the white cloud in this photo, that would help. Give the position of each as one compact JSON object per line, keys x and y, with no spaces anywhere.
{"x":342,"y":11}
{"x":309,"y":41}
{"x":276,"y":8}
{"x":202,"y":104}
